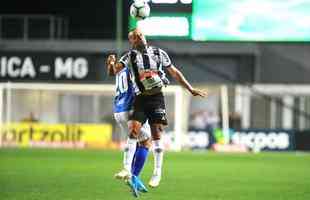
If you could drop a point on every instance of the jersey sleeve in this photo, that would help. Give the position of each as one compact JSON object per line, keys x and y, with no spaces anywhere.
{"x":125,"y":59}
{"x":165,"y":59}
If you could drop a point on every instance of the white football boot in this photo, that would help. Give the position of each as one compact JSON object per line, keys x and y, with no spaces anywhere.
{"x":155,"y":180}
{"x":124,"y":174}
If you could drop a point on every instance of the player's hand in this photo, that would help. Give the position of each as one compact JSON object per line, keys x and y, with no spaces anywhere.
{"x":111,"y":60}
{"x":110,"y":63}
{"x":197,"y":92}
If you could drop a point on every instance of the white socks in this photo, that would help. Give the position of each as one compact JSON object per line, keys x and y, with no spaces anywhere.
{"x":158,"y":151}
{"x":129,"y":153}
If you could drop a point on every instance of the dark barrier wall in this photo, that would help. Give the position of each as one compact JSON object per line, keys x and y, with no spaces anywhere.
{"x":303,"y":140}
{"x":52,"y":67}
{"x":86,"y":20}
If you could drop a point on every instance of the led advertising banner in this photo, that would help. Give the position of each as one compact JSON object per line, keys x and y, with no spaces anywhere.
{"x":228,"y":20}
{"x":251,"y":20}
{"x":265,"y":139}
{"x":57,"y":135}
{"x":169,"y":19}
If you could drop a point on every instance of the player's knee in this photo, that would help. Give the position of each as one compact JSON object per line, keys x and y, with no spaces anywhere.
{"x":146,"y":143}
{"x":156,"y":130}
{"x":126,"y":149}
{"x":158,"y":149}
{"x":158,"y":146}
{"x":134,"y":129}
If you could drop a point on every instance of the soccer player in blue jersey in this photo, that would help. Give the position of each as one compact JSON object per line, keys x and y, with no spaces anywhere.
{"x":133,"y":158}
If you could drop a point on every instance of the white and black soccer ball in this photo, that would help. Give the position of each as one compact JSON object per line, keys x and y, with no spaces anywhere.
{"x":140,"y":9}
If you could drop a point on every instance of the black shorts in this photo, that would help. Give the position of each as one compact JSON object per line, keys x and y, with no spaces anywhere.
{"x":150,"y":107}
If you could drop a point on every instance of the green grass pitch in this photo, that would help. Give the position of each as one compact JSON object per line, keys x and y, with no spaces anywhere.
{"x":27,"y":174}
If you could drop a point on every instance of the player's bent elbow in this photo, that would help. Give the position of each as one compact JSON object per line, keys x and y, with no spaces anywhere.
{"x":175,"y":73}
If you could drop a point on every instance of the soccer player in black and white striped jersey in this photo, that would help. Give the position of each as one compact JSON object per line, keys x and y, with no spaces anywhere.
{"x":148,"y":65}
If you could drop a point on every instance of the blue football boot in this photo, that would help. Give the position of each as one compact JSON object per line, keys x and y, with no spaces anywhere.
{"x":140,"y":186}
{"x":133,"y":186}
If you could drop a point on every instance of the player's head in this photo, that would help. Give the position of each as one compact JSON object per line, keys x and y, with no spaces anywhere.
{"x":137,"y":39}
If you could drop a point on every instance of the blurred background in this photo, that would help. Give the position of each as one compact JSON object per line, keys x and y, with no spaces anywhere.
{"x":252,"y":56}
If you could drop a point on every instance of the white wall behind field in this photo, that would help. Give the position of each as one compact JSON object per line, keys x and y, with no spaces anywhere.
{"x":56,"y":107}
{"x":43,"y":105}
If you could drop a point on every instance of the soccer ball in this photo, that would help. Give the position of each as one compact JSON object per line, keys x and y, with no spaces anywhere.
{"x":140,"y":9}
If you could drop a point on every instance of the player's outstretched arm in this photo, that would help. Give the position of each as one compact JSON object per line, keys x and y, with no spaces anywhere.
{"x":113,"y":67}
{"x":178,"y":76}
